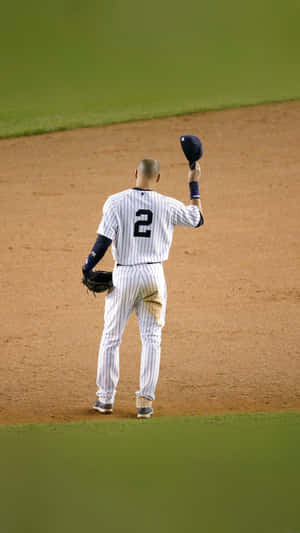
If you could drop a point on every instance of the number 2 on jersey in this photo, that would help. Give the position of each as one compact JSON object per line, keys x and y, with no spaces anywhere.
{"x":144,"y":222}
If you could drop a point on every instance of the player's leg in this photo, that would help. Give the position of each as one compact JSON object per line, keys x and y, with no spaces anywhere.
{"x":118,"y":307}
{"x":151,"y":309}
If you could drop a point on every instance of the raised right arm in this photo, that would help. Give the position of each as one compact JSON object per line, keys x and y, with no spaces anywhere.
{"x":193,"y":179}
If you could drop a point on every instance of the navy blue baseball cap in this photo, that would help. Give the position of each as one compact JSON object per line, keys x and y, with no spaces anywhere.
{"x":192,"y":148}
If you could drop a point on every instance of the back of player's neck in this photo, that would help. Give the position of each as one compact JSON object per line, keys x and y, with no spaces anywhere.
{"x":145,"y":186}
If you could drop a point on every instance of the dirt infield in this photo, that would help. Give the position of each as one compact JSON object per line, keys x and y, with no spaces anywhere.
{"x":231,"y":341}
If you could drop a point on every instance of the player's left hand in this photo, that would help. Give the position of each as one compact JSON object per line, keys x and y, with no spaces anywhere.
{"x":97,"y":281}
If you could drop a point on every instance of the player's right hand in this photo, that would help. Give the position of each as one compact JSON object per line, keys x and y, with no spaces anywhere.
{"x":195,"y":174}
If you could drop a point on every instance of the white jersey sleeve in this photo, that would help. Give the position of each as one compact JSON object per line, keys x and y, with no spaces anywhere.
{"x":184,"y":215}
{"x":108,"y":225}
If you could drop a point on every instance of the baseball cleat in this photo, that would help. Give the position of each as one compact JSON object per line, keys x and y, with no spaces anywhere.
{"x":144,"y":407}
{"x":106,"y":408}
{"x":144,"y":412}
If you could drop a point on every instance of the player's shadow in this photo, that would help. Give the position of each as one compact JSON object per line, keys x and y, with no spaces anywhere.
{"x":118,"y":414}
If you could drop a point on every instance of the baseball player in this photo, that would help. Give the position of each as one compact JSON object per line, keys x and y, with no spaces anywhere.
{"x":139,"y":222}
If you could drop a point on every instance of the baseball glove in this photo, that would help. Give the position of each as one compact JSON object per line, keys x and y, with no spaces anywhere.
{"x":97,"y":281}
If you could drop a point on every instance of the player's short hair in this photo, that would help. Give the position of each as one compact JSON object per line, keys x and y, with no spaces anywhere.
{"x":149,"y":167}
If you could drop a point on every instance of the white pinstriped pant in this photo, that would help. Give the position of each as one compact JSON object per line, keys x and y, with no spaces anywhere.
{"x":143,"y":288}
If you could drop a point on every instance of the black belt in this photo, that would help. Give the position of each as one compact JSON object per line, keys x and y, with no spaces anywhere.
{"x":154,"y":263}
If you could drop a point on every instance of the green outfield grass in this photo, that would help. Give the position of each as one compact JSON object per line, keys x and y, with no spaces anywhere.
{"x":223,"y":474}
{"x":67,"y":63}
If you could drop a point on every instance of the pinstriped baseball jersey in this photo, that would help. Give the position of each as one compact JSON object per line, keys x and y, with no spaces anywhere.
{"x":141,"y":223}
